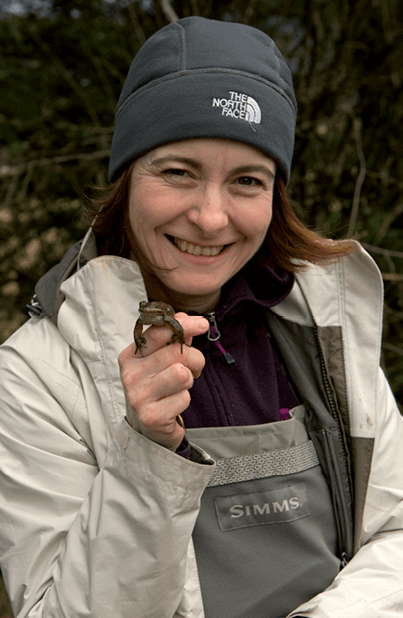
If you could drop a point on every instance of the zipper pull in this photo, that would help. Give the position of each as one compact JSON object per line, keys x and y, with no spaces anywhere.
{"x":214,"y":335}
{"x":213,"y":332}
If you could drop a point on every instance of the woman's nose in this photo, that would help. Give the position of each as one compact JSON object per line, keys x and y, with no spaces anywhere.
{"x":210,"y":211}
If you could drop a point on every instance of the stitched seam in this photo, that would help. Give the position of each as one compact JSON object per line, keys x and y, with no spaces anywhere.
{"x":183,"y":36}
{"x":103,"y":358}
{"x":147,"y":472}
{"x":340,"y":274}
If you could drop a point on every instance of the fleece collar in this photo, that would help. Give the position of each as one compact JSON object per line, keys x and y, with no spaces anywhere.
{"x":274,"y":287}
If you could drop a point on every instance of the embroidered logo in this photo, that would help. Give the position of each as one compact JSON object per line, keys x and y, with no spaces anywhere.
{"x":240,"y":106}
{"x":274,"y":506}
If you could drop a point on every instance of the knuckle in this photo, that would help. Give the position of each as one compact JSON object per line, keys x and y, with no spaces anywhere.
{"x":158,"y":334}
{"x":128,"y":378}
{"x":185,"y":399}
{"x":180,"y":316}
{"x":146,"y":413}
{"x":200,"y":359}
{"x":126,"y":355}
{"x":122,"y":359}
{"x":181,"y":373}
{"x":147,"y":417}
{"x":133,"y":401}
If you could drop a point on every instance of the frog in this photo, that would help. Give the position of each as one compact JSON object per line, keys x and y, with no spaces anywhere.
{"x":156,"y":313}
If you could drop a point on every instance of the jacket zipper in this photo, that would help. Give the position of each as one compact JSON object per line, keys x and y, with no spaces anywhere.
{"x":345,"y":528}
{"x":342,"y":512}
{"x":214,"y":336}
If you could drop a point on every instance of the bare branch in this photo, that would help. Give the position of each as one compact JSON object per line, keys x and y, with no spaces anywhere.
{"x":387,"y":180}
{"x":396,"y":212}
{"x":19,"y":169}
{"x":10,"y":191}
{"x":250,"y":9}
{"x":195,"y":8}
{"x":385,"y":252}
{"x":63,"y":71}
{"x":394,"y":277}
{"x":361,"y":175}
{"x":103,"y":79}
{"x":136,"y":22}
{"x":168,"y":11}
{"x":26,"y":181}
{"x":392,"y":348}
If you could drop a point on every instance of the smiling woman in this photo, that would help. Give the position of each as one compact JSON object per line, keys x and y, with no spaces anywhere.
{"x":228,"y":462}
{"x":289,"y":245}
{"x":197,"y":218}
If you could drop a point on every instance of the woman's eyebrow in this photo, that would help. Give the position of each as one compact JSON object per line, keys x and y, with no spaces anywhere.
{"x":178,"y":159}
{"x":246,"y":169}
{"x":243,"y":169}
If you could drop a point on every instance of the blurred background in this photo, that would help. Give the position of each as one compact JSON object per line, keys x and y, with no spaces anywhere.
{"x":63,"y":64}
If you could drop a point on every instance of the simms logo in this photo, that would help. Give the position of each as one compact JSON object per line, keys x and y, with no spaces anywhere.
{"x":238,"y":510}
{"x":239,"y":105}
{"x":275,"y":506}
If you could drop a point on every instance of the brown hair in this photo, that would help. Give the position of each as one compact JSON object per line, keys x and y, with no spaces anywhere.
{"x":288,"y":243}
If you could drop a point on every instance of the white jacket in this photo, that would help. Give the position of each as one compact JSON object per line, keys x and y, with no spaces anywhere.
{"x":96,"y":520}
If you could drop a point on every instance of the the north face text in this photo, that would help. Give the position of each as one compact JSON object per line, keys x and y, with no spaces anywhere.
{"x":239,"y":105}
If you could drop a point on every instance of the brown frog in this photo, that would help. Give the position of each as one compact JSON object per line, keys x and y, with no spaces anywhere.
{"x":158,"y":314}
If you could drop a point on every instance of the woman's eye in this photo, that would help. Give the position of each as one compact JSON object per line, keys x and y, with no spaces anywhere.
{"x":249,"y":181}
{"x":175,"y":172}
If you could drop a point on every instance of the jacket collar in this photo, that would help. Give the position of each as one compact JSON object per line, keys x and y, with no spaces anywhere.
{"x":348,"y":294}
{"x":97,"y":319}
{"x":266,"y":290}
{"x":101,"y":307}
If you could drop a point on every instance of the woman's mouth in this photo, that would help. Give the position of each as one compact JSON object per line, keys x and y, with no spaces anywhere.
{"x":194,"y":249}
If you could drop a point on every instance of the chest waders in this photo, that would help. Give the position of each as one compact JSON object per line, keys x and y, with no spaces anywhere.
{"x":275,"y":524}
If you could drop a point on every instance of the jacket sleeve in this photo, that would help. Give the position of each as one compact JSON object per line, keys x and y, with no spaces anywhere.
{"x":79,"y":539}
{"x":371,"y":585}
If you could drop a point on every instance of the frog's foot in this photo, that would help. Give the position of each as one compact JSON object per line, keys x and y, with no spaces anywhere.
{"x":140,"y":343}
{"x":178,"y":339}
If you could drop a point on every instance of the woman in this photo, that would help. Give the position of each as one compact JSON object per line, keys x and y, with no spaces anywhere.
{"x":254,"y":471}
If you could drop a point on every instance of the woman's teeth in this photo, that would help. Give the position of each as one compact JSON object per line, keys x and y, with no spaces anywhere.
{"x":188,"y":247}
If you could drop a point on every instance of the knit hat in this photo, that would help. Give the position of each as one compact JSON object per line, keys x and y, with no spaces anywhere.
{"x":199,"y":77}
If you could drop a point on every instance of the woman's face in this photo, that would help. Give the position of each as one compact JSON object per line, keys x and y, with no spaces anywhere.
{"x":200,"y":209}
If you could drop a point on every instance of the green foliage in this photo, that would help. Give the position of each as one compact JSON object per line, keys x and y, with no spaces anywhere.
{"x":61,"y":71}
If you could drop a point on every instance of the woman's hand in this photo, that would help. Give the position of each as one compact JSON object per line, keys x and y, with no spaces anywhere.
{"x":157,"y":380}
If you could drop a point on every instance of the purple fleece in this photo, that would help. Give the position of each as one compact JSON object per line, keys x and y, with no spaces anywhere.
{"x":255,"y":389}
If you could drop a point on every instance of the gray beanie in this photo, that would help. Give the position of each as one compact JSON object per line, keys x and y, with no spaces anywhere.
{"x":199,"y":77}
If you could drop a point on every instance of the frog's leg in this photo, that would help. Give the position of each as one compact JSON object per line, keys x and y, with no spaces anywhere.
{"x":139,"y":340}
{"x":177,"y":331}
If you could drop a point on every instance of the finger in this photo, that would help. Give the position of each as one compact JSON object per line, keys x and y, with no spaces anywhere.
{"x":157,"y":337}
{"x":172,"y":380}
{"x":139,"y":368}
{"x":160,"y":424}
{"x":160,"y":414}
{"x":193,"y":325}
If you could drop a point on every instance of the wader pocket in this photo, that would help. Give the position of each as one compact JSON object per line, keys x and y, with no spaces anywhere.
{"x":265,"y":538}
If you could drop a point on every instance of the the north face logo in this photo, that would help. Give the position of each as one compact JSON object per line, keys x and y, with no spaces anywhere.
{"x":239,"y":105}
